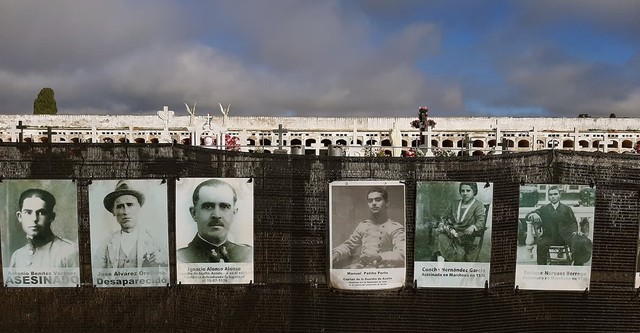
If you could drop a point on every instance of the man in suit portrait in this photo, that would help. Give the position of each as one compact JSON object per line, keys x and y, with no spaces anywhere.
{"x":132,"y":246}
{"x":558,"y":226}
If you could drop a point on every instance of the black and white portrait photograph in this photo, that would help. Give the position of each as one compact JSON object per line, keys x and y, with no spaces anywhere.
{"x":40,"y":233}
{"x":367,"y":228}
{"x":129,"y":232}
{"x":453,"y":234}
{"x":555,"y":236}
{"x":214,"y":230}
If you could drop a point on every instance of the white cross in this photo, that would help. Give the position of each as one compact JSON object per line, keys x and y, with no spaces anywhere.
{"x":166,"y":115}
{"x":208,"y":124}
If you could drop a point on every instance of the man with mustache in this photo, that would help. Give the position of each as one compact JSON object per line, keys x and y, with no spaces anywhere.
{"x":214,"y":209}
{"x":131,"y":246}
{"x":43,"y":249}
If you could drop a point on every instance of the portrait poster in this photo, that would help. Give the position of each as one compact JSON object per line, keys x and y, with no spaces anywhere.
{"x":214,"y":230}
{"x":367,"y":242}
{"x":555,"y":236}
{"x":453,"y":234}
{"x":128,"y":220}
{"x":39,"y":233}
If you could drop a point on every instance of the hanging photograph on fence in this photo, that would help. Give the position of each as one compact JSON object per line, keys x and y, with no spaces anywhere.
{"x":367,"y":235}
{"x":39,"y":233}
{"x":214,"y":230}
{"x":453,"y":234}
{"x":555,"y":236}
{"x":129,"y":233}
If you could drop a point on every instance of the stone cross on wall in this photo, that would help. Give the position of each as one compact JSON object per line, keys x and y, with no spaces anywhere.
{"x":21,"y":128}
{"x":207,"y":125}
{"x":165,"y":114}
{"x":280,"y":131}
{"x":49,"y":134}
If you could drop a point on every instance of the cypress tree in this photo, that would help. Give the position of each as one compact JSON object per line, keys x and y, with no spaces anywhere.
{"x":45,"y":103}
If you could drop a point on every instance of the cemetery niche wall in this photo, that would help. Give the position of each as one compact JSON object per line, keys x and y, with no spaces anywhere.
{"x":289,"y":290}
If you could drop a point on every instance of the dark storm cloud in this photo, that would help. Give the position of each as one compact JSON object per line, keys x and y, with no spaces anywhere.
{"x":302,"y":57}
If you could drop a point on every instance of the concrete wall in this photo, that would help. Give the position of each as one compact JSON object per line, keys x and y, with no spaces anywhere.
{"x":8,"y":122}
{"x":461,"y":135}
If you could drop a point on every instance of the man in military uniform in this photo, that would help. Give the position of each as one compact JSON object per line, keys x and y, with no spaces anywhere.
{"x":214,"y":209}
{"x":380,"y":239}
{"x":43,"y":248}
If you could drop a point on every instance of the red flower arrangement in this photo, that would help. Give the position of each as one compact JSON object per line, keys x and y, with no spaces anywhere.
{"x":231,"y":142}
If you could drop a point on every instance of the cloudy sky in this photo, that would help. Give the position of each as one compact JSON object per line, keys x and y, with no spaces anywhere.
{"x":323,"y":57}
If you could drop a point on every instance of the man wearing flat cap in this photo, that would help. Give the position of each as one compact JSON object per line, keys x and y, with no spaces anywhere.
{"x":131,"y":246}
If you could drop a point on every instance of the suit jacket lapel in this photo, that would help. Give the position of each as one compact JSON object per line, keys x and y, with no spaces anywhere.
{"x":113,"y":249}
